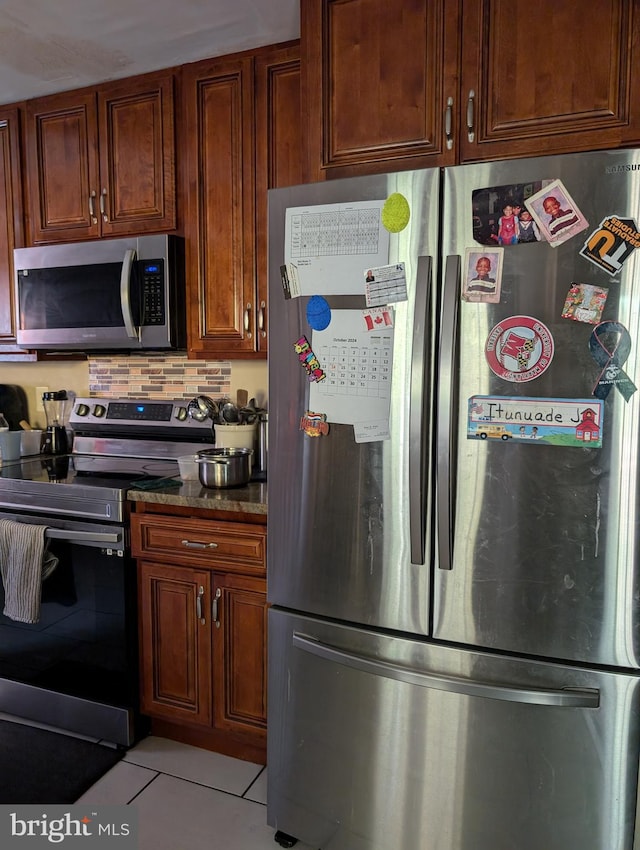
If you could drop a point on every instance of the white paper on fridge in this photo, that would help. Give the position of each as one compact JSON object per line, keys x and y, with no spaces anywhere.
{"x":357,"y":364}
{"x":330,"y":244}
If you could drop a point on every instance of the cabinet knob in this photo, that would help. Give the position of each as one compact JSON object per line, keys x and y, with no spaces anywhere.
{"x":247,"y":320}
{"x":470,"y":108}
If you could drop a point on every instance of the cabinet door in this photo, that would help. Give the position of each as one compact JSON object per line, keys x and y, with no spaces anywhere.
{"x":62,"y":167}
{"x":379,"y":84}
{"x":239,"y":654}
{"x":11,"y":229}
{"x":548,"y":77}
{"x":175,"y":642}
{"x":278,"y":150}
{"x":220,"y":208}
{"x":137,"y":155}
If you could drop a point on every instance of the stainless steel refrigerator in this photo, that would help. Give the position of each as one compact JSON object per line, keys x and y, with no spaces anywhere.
{"x":454,"y":631}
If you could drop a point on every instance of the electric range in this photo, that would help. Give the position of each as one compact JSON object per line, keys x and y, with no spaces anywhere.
{"x":76,"y":667}
{"x":116,"y":442}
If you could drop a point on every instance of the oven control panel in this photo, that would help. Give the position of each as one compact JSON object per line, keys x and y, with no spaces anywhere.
{"x":110,"y":414}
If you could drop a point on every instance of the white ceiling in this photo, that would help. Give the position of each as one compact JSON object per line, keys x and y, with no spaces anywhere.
{"x":48,"y":46}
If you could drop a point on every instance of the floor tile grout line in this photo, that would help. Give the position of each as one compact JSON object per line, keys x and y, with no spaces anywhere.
{"x":253,"y":782}
{"x":145,"y":786}
{"x":195,"y":782}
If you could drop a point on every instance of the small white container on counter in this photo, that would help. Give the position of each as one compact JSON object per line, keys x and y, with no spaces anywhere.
{"x":30,"y":442}
{"x":237,"y":437}
{"x":188,"y":466}
{"x":9,"y":445}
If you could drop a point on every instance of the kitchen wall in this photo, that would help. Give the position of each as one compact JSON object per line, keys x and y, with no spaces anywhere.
{"x":171,"y":376}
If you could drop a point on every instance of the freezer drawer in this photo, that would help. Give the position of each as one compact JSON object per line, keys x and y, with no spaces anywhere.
{"x":379,"y":742}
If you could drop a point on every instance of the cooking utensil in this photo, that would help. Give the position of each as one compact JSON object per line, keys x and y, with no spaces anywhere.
{"x":248,"y":415}
{"x":202,"y":407}
{"x":229,"y":412}
{"x":219,"y":468}
{"x":242,"y":398}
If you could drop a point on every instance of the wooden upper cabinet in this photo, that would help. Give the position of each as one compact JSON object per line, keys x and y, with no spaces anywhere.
{"x":242,"y":137}
{"x":137,"y":156}
{"x":379,"y":84}
{"x":101,"y":161}
{"x":11,"y":228}
{"x":548,"y":77}
{"x":278,"y":151}
{"x":62,"y":167}
{"x":220,"y":220}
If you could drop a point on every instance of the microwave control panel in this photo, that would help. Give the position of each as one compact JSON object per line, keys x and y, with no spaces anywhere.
{"x":153,"y":306}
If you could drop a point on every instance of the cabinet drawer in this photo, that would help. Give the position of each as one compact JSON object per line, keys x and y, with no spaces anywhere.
{"x":232,"y":545}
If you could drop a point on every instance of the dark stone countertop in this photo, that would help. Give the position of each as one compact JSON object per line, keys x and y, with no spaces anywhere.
{"x":250,"y":499}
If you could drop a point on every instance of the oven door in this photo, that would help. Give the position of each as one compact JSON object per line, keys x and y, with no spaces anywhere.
{"x":76,"y":668}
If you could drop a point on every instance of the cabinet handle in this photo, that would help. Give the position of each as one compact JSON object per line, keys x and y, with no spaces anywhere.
{"x":448,"y":119}
{"x":470,"y":131}
{"x":103,"y":197}
{"x":261,"y":318}
{"x":194,"y":544}
{"x":92,"y":209}
{"x":199,"y":604}
{"x":214,"y":608}
{"x":247,"y":320}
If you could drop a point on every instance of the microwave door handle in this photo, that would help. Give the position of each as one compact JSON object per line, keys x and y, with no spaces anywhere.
{"x":125,"y":293}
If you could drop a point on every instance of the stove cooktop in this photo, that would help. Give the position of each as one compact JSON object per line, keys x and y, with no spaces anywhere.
{"x":117,"y":442}
{"x":80,"y":486}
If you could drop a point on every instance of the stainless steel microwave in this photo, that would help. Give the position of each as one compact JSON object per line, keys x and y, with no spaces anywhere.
{"x":109,"y":294}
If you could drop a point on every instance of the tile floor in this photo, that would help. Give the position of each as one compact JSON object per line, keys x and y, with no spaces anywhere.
{"x":190,"y":798}
{"x":187,"y":798}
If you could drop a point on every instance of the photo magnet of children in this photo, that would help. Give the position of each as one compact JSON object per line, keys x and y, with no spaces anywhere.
{"x":556,"y":213}
{"x":482,"y":275}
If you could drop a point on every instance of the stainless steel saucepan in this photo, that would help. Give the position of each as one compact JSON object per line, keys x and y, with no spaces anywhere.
{"x":218,"y":468}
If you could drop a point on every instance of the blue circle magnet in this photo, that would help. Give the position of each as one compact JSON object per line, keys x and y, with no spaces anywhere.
{"x":318,"y":313}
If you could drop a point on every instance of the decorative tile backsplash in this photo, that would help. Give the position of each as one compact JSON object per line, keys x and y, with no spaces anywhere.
{"x":157,"y":377}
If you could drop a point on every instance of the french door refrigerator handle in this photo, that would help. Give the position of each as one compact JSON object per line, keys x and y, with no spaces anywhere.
{"x":125,"y":293}
{"x":562,"y":697}
{"x":446,"y":435}
{"x":418,"y":395}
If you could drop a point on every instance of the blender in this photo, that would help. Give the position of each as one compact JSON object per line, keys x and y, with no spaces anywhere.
{"x":56,"y":410}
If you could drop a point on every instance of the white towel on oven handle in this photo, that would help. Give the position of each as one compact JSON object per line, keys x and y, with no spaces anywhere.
{"x":24,"y":564}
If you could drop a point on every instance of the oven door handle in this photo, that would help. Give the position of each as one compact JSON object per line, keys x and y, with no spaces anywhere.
{"x":83,"y":536}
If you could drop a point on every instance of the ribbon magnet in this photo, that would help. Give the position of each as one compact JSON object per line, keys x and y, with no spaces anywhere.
{"x":611,"y":360}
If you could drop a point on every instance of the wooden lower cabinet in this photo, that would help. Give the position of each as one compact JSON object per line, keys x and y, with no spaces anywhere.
{"x":175,"y":643}
{"x":202,"y":634}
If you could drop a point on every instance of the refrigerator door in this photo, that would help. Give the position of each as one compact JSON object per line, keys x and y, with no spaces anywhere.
{"x":538,"y":543}
{"x":377,"y":742}
{"x":348,"y":522}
